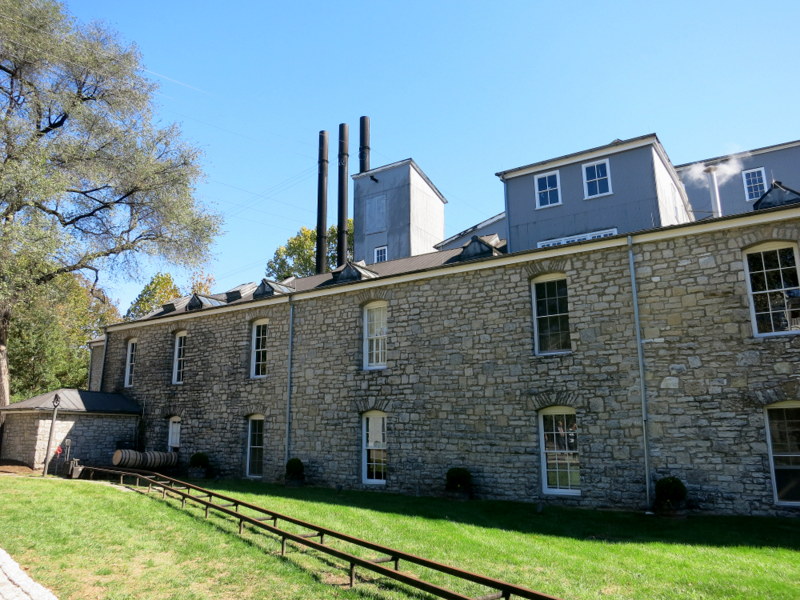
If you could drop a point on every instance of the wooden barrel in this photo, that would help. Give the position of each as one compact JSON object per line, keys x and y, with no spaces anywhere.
{"x":153,"y":459}
{"x":126,"y":458}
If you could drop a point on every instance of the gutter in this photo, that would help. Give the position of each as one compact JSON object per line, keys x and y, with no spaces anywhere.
{"x":289,"y":384}
{"x":640,"y":357}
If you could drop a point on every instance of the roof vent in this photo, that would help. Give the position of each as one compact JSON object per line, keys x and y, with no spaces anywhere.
{"x":168,"y":307}
{"x":233,"y":295}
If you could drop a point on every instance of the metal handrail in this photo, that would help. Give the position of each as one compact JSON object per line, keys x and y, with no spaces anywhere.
{"x":503,"y":589}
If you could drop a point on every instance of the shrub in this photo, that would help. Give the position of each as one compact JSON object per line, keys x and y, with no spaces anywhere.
{"x":199,"y":460}
{"x":459,"y":479}
{"x":295,"y":470}
{"x":670,"y":493}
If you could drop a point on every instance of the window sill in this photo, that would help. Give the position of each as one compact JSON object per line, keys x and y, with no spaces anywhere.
{"x":551,"y":354}
{"x":374,"y":368}
{"x":374,"y":482}
{"x":547,"y":206}
{"x":598,"y":196}
{"x":567,"y":493}
{"x":776,"y":334}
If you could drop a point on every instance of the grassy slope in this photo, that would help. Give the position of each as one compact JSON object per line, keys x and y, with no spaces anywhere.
{"x":87,"y":540}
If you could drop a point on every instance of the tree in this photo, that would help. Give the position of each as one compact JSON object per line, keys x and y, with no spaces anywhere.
{"x":159,"y":290}
{"x":87,"y":182}
{"x":49,"y":334}
{"x":297,"y":258}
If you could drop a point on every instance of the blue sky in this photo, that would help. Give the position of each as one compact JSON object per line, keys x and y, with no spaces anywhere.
{"x":465,"y":88}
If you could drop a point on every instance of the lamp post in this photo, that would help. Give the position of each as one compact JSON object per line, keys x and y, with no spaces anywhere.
{"x":56,"y":402}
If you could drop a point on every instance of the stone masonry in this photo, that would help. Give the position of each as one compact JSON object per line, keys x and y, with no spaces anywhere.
{"x":463,"y":385}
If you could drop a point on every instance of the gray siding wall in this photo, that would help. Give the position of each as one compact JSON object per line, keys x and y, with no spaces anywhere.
{"x":394,"y":185}
{"x":632,"y":206}
{"x":782,"y":165}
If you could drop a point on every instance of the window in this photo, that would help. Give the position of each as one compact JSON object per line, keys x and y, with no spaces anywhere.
{"x":558,"y":435}
{"x":596,"y":179}
{"x":755,"y":183}
{"x":130,"y":362}
{"x":547,"y":190}
{"x":774,"y":288}
{"x":255,"y":446}
{"x":179,"y":357}
{"x":381,"y":253}
{"x":375,"y":335}
{"x":581,"y":237}
{"x":783,"y":436}
{"x":374,"y":447}
{"x":258,"y":350}
{"x":174,"y":434}
{"x":550,"y":314}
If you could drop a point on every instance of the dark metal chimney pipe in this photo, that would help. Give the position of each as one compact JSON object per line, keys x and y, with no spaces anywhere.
{"x":341,"y":240}
{"x":322,"y":205}
{"x":363,"y":149}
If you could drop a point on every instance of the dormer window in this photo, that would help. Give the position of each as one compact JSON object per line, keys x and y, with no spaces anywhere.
{"x":596,"y":179}
{"x":548,"y":191}
{"x":755,"y":183}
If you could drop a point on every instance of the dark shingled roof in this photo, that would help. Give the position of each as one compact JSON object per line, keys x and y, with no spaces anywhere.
{"x":777,"y":195}
{"x":73,"y":400}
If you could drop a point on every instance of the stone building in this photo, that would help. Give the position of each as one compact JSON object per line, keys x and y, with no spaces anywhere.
{"x":575,"y":374}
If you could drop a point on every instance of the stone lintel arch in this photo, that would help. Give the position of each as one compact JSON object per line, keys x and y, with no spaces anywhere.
{"x":779,"y":234}
{"x":248,"y":410}
{"x":171,"y":409}
{"x":363,"y":405}
{"x":545,"y":267}
{"x":539,"y":400}
{"x":373,"y":295}
{"x":760,"y":398}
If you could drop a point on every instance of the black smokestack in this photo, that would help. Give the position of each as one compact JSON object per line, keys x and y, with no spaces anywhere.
{"x":341,"y":241}
{"x":363,"y":148}
{"x":322,"y":205}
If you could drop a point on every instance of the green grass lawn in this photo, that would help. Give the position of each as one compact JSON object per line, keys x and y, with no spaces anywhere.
{"x":88,"y":540}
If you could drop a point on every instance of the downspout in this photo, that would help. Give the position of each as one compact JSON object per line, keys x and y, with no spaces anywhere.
{"x":640,"y":356}
{"x":289,"y":383}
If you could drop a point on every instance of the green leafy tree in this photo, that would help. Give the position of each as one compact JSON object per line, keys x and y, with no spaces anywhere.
{"x":49,"y":334}
{"x":297,"y":258}
{"x":87,"y":181}
{"x":158,"y":291}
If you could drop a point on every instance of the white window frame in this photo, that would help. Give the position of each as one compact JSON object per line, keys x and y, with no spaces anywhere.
{"x":179,"y":358}
{"x":536,"y":317}
{"x":130,"y":362}
{"x":772,"y":454}
{"x":375,"y":335}
{"x":557,"y":189}
{"x":759,"y":249}
{"x":377,"y":419}
{"x":747,"y":186}
{"x":582,"y":237}
{"x":565,"y":443}
{"x":259,"y":335}
{"x":381,"y":250}
{"x":173,"y":434}
{"x":250,"y":447}
{"x":584,"y":166}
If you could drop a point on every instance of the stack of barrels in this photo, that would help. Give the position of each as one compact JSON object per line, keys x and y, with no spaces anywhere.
{"x":144,"y":460}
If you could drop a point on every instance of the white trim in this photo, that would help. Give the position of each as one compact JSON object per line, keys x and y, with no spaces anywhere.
{"x":758,"y":248}
{"x":383,"y":445}
{"x":254,"y":351}
{"x":371,"y":366}
{"x":785,"y":404}
{"x":610,"y":191}
{"x":130,"y":362}
{"x":764,"y":182}
{"x":536,"y":179}
{"x":683,"y":230}
{"x":375,"y":254}
{"x":557,"y":410}
{"x":179,"y":362}
{"x":250,"y":419}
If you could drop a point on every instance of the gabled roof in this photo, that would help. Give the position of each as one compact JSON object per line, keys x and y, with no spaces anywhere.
{"x":78,"y":401}
{"x":406,"y":162}
{"x":777,"y":195}
{"x":591,"y":154}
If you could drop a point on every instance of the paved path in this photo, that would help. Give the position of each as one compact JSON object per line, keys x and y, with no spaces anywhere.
{"x":15,"y":583}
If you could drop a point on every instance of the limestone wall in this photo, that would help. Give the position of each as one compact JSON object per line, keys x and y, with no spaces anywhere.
{"x":462,"y":385}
